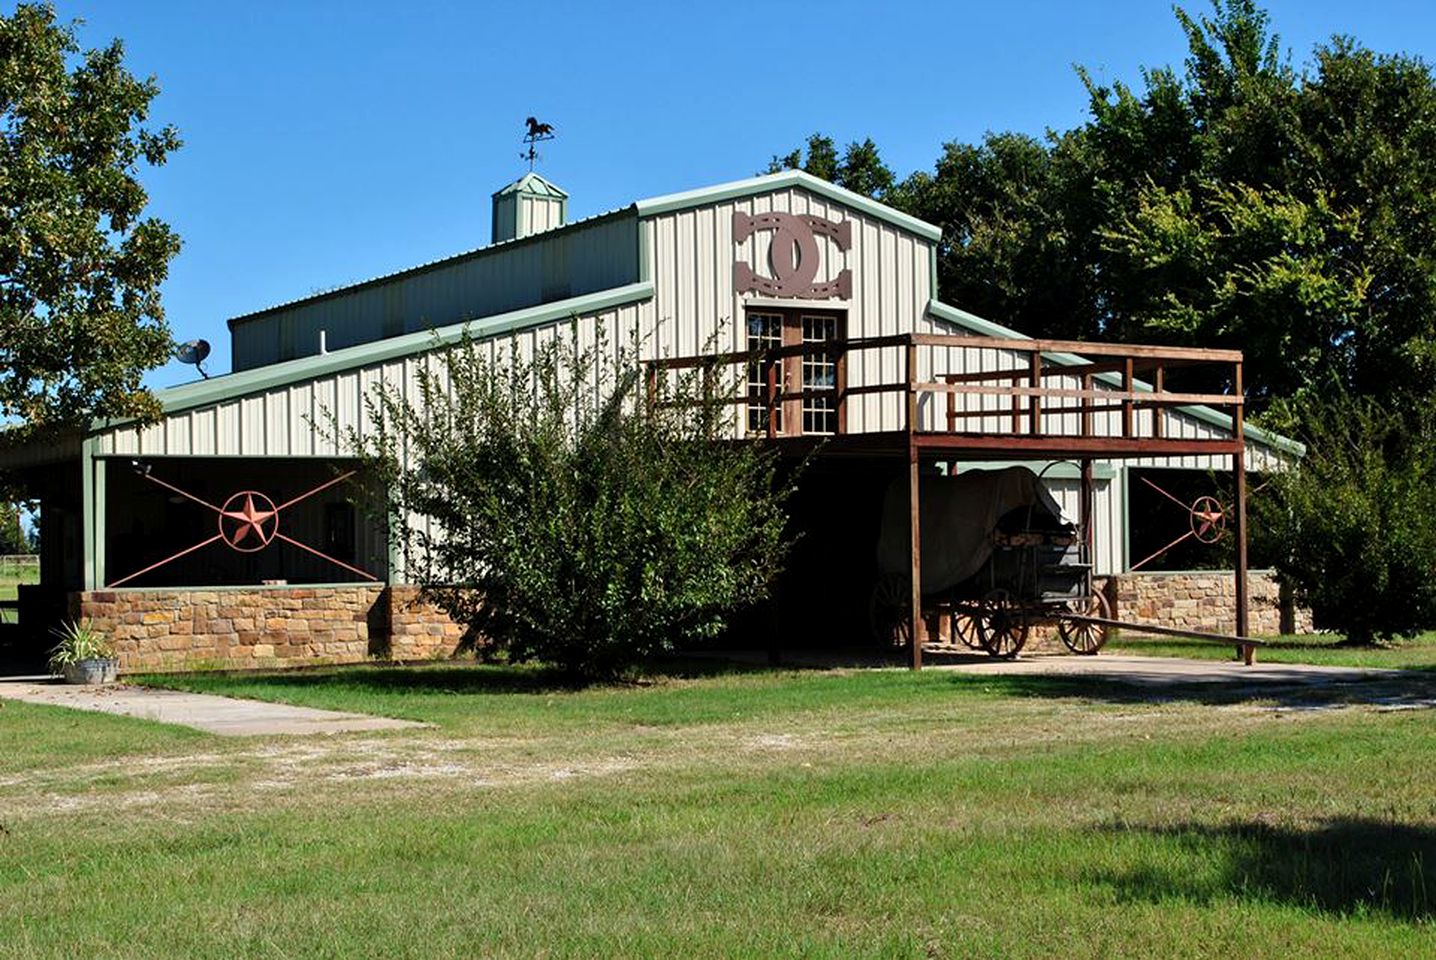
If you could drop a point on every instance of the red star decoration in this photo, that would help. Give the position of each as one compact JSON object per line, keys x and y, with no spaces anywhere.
{"x":250,"y":520}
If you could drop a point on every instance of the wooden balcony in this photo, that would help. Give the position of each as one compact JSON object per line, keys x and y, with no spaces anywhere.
{"x":1010,"y":397}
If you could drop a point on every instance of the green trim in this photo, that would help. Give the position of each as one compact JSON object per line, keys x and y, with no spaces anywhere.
{"x":233,"y":385}
{"x":987,"y":328}
{"x":1063,"y":469}
{"x":1223,"y":571}
{"x":779,"y":181}
{"x":87,"y":512}
{"x":1126,"y":518}
{"x":645,"y":255}
{"x":101,"y":509}
{"x":932,"y":268}
{"x":409,"y":272}
{"x":232,"y":587}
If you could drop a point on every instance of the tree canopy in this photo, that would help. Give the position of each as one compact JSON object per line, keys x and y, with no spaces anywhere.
{"x":1235,"y":201}
{"x":80,"y":265}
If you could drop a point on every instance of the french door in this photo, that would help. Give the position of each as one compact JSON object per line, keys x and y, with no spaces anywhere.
{"x":804,"y":409}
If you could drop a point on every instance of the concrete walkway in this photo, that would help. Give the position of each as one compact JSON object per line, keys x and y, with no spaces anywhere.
{"x":225,"y":716}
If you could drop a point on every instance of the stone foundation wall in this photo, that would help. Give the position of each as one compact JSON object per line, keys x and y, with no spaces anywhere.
{"x":160,"y":630}
{"x":1205,"y":600}
{"x":419,"y":631}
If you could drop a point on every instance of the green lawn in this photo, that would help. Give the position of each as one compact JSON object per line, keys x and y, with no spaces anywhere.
{"x":1417,"y":653}
{"x":10,"y":580}
{"x":830,"y":814}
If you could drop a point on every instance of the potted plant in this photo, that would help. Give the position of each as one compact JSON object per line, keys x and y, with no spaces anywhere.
{"x":83,"y":655}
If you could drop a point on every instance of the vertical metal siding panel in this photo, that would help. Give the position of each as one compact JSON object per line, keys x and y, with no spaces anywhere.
{"x":226,"y":431}
{"x":251,"y":426}
{"x":1106,"y":537}
{"x":204,"y":426}
{"x":122,"y":442}
{"x":276,"y":423}
{"x":704,"y":298}
{"x":682,"y":255}
{"x":665,"y":287}
{"x":327,"y":443}
{"x":304,"y":421}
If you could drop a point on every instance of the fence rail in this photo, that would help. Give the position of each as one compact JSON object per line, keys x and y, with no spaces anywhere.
{"x":17,"y":563}
{"x":1033,"y":382}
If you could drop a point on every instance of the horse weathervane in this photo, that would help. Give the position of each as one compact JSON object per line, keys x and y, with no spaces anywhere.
{"x":538,"y":132}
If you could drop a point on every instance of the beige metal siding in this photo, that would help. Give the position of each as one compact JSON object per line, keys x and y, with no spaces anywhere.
{"x":695,"y":303}
{"x":1107,"y":538}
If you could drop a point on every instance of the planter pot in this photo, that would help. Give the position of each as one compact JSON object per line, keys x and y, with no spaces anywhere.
{"x":92,"y":671}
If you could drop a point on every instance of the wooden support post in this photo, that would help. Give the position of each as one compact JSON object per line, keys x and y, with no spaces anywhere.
{"x":1084,"y":508}
{"x":914,"y":510}
{"x":1034,"y":378}
{"x":840,"y":383}
{"x":652,"y":387}
{"x":911,"y":364}
{"x":1127,"y":405}
{"x":1239,"y":469}
{"x":772,"y":398}
{"x":1087,"y":404}
{"x":1159,"y":413}
{"x":914,"y":500}
{"x":951,"y":409}
{"x":1016,"y":381}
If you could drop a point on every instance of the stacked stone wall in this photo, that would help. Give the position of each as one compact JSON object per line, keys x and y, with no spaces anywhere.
{"x":417,"y":630}
{"x":1205,"y":601}
{"x":161,"y":630}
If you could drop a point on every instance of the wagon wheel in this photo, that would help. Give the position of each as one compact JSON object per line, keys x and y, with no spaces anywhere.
{"x":889,"y":610}
{"x":1086,"y":638}
{"x":964,"y":630}
{"x":1001,"y":625}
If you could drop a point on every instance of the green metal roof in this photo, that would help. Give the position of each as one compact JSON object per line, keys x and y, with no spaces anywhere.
{"x":644,"y":208}
{"x":533,"y":184}
{"x":231,"y":385}
{"x":782,"y":180}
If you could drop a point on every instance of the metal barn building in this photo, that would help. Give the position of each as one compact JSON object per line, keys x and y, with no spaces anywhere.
{"x":837,"y":295}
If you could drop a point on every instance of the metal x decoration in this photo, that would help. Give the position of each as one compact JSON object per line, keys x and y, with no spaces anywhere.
{"x":248,"y":522}
{"x":1206,"y":521}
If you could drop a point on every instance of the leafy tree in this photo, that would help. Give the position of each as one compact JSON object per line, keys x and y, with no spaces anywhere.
{"x":80,"y":267}
{"x":860,"y":169}
{"x":1235,"y":201}
{"x":569,"y":520}
{"x":1353,"y":530}
{"x":12,"y":534}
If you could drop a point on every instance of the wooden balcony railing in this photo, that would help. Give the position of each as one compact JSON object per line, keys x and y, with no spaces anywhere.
{"x":1021,"y":381}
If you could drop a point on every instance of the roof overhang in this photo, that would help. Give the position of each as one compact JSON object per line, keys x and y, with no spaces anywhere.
{"x":780,"y":181}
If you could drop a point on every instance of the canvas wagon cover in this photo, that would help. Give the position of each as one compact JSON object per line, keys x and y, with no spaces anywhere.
{"x":959,"y":516}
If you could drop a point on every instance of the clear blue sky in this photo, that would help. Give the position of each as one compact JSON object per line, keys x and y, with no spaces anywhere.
{"x":329,"y":142}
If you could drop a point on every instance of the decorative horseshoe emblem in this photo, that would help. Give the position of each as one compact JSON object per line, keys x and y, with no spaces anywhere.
{"x":793,"y":256}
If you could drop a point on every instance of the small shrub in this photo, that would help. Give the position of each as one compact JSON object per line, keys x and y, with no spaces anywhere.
{"x":78,"y":641}
{"x":1353,"y":527}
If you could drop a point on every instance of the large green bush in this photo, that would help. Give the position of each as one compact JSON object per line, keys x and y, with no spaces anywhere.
{"x":570,"y":518}
{"x":1353,"y":528}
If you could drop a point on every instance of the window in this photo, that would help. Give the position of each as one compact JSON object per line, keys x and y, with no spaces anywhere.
{"x":765,"y":331}
{"x":820,"y":371}
{"x":769,"y":329}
